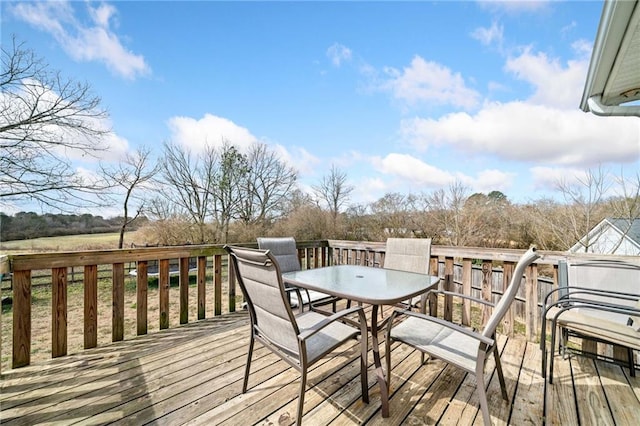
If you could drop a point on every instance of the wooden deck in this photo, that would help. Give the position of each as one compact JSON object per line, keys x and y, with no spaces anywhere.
{"x":193,"y":375}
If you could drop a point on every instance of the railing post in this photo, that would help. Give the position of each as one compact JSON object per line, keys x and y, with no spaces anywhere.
{"x":467,"y":268}
{"x":531,"y":306}
{"x":232,"y":288}
{"x":507,"y":322}
{"x":487,"y":289}
{"x":184,"y":290}
{"x":448,"y":286}
{"x":142,"y":289}
{"x":433,"y":298}
{"x":202,"y":287}
{"x":58,"y":312}
{"x":90,"y":306}
{"x":118,"y":302}
{"x":217,"y":284}
{"x":21,"y":318}
{"x":163,"y":290}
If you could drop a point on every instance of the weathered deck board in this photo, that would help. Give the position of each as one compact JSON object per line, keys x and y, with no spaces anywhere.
{"x":193,"y":375}
{"x":560,"y":403}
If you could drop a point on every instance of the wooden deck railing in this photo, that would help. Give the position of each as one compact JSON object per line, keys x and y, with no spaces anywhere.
{"x":455,"y":265}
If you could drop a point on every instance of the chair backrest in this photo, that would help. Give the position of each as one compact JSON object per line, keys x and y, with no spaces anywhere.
{"x":284,"y":250}
{"x":260,"y":279}
{"x":618,"y":275}
{"x":408,"y":254}
{"x":503,"y":305}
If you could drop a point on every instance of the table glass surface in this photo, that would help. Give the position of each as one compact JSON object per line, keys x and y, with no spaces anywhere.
{"x":363,"y":283}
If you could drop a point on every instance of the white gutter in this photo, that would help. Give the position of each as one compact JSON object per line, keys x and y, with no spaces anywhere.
{"x":614,"y":21}
{"x":596,"y":107}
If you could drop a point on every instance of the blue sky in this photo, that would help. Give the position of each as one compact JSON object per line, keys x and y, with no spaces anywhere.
{"x":402,"y":96}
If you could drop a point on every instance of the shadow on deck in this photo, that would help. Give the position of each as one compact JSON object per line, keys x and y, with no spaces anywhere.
{"x":193,"y":375}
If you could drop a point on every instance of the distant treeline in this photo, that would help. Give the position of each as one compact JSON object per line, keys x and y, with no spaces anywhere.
{"x":27,"y":225}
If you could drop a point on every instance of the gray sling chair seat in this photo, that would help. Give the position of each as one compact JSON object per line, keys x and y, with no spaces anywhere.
{"x":299,"y":339}
{"x":286,"y":253}
{"x":454,"y":344}
{"x":596,"y":299}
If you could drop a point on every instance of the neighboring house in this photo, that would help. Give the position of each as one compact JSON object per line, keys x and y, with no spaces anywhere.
{"x":611,"y":236}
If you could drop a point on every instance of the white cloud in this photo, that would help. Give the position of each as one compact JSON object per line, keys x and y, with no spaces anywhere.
{"x":210,"y":130}
{"x":338,"y":53}
{"x":95,"y":41}
{"x":407,"y":171}
{"x":492,"y":180}
{"x":491,"y":35}
{"x":369,"y":190}
{"x":411,"y":169}
{"x":430,"y":83}
{"x":524,"y":132}
{"x":555,"y":84}
{"x":548,"y":178}
{"x":300,"y":159}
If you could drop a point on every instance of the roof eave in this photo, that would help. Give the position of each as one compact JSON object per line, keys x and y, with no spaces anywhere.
{"x":614,"y":22}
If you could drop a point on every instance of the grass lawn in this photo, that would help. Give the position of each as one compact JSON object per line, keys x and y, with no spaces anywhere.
{"x":66,"y":243}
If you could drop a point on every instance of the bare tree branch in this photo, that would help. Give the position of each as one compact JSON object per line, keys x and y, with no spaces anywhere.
{"x":44,"y":121}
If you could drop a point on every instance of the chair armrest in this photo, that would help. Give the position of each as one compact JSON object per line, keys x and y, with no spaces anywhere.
{"x":328,"y":320}
{"x":602,"y":292}
{"x":463,"y":296}
{"x":574,"y":303}
{"x":571,"y":292}
{"x":482,"y":338}
{"x":297,"y":290}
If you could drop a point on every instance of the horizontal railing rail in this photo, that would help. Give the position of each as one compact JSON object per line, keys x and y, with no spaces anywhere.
{"x":203,"y":268}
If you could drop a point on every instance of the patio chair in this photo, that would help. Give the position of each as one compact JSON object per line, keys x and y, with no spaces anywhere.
{"x":597,"y":299}
{"x":286,"y":253}
{"x":456,"y":345}
{"x":300,"y":340}
{"x":409,"y":254}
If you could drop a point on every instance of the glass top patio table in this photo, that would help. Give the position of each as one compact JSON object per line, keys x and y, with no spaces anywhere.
{"x":375,"y":286}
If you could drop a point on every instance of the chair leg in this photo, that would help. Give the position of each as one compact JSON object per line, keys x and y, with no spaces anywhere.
{"x":387,"y":357}
{"x":543,"y":345}
{"x":632,"y":362}
{"x":303,"y":385}
{"x":503,"y":385}
{"x":248,"y":366}
{"x":482,"y":396}
{"x":554,"y":329}
{"x":364,"y":377}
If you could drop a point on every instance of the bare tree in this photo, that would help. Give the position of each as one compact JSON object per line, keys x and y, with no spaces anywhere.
{"x":447,"y":209}
{"x":45,"y":119}
{"x":269,"y":182}
{"x":188,"y":183}
{"x":392,"y":215}
{"x":130,"y":175}
{"x":334,"y":191}
{"x":228,"y":185}
{"x":625,"y":206}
